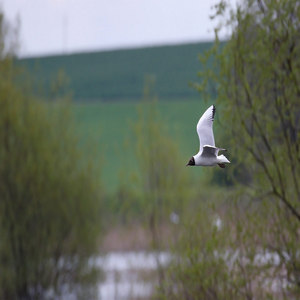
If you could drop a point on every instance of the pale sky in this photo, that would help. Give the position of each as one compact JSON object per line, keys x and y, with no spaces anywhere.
{"x":67,"y":26}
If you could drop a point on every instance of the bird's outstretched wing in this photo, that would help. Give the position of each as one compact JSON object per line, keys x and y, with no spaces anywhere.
{"x":205,"y":128}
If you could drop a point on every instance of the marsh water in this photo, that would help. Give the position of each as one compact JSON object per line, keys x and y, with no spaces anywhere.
{"x":129,"y":275}
{"x":133,"y":275}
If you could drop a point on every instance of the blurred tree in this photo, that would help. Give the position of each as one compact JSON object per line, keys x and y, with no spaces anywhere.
{"x":161,"y":176}
{"x":49,"y":195}
{"x":258,"y":89}
{"x":256,"y":73}
{"x":199,"y":269}
{"x":257,"y":76}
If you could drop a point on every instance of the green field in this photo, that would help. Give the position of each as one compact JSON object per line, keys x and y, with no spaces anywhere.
{"x":106,"y":88}
{"x":120,"y":74}
{"x":109,"y":126}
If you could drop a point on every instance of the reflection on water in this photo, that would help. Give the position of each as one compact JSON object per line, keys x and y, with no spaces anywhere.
{"x":129,"y":275}
{"x":132,"y":275}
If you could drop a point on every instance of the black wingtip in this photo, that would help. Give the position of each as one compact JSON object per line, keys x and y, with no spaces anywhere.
{"x":213,"y":112}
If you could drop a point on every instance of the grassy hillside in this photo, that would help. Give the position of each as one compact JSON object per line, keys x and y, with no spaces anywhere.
{"x":120,"y":74}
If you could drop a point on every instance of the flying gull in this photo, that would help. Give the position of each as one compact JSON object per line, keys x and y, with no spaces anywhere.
{"x":208,"y":152}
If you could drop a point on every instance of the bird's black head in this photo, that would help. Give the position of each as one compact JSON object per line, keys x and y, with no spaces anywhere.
{"x":191,"y":162}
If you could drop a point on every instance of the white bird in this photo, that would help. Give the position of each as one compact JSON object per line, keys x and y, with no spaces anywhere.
{"x":208,"y":152}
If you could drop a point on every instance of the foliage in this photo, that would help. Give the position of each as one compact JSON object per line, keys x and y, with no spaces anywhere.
{"x":255,"y":254}
{"x":158,"y":165}
{"x":217,"y":254}
{"x":200,"y":268}
{"x":161,"y":178}
{"x":49,"y":196}
{"x":257,"y":77}
{"x":259,"y":89}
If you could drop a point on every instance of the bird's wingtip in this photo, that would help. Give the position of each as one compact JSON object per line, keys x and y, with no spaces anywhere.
{"x":213,"y":111}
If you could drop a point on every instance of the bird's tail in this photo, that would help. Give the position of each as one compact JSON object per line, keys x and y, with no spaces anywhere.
{"x":223,"y":159}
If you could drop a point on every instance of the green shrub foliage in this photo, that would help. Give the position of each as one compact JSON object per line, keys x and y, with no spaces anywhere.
{"x":49,"y":199}
{"x":255,"y":254}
